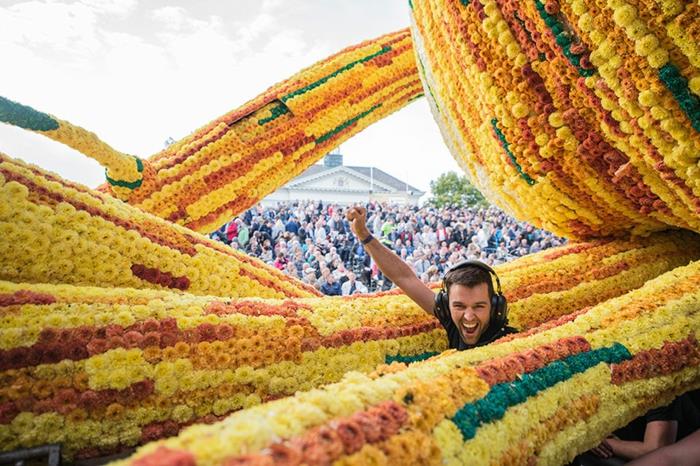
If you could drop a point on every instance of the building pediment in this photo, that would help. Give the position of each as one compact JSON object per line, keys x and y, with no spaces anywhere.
{"x":338,"y":179}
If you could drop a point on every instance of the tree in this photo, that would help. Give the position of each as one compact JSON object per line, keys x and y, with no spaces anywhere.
{"x":455,"y":190}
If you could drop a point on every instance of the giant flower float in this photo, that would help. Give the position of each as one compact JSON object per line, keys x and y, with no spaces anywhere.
{"x":129,"y":326}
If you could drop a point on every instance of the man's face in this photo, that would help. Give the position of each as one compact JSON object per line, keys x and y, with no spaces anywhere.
{"x":470,"y":309}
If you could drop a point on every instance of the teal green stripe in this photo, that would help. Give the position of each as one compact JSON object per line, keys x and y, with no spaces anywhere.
{"x":345,"y":68}
{"x":415,"y":97}
{"x":25,"y":117}
{"x":425,"y":80}
{"x":502,"y":396}
{"x":506,"y":147}
{"x":409,"y":359}
{"x":275,"y":112}
{"x":128,"y":184}
{"x":124,"y":184}
{"x":563,"y":38}
{"x":341,"y":127}
{"x":678,"y":85}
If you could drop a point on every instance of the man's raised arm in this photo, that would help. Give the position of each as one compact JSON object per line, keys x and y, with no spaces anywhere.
{"x":389,"y":263}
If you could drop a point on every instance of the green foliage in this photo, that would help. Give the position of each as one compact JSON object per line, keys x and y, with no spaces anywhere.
{"x":451,"y":189}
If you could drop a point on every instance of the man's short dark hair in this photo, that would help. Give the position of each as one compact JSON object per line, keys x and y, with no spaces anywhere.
{"x":469,"y":276}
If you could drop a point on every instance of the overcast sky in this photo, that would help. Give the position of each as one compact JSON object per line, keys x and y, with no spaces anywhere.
{"x":136,"y":73}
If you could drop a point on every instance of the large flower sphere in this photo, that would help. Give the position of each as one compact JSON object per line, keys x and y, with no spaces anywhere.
{"x":580,"y":116}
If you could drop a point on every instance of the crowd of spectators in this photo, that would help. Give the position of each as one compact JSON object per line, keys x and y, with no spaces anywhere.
{"x":312,"y":241}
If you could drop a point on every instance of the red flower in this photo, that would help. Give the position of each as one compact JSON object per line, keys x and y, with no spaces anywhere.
{"x":249,"y":460}
{"x":97,"y":346}
{"x":114,"y":330}
{"x":310,"y":344}
{"x":207,"y":332}
{"x":169,"y":324}
{"x":368,"y":423}
{"x":115,"y":342}
{"x":17,"y":357}
{"x":48,"y":335}
{"x":8,"y":411}
{"x":351,"y":434}
{"x":491,"y":373}
{"x":348,"y":336}
{"x":166,"y":456}
{"x":170,"y":428}
{"x":50,"y":354}
{"x":513,"y":367}
{"x":83,"y":334}
{"x":133,"y":339}
{"x":77,"y":352}
{"x":66,"y":396}
{"x":151,"y":339}
{"x":397,"y":411}
{"x":150,"y":325}
{"x":44,"y":406}
{"x":151,"y":432}
{"x":142,"y":389}
{"x":224,"y":332}
{"x":286,"y":454}
{"x":89,"y":400}
{"x":168,"y":339}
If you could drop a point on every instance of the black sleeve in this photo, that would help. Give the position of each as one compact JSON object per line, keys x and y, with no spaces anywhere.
{"x":664,"y":413}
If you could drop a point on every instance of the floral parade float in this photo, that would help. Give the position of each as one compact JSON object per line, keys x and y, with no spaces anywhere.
{"x":581,"y":117}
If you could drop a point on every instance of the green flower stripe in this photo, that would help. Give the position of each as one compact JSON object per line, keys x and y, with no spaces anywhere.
{"x":344,"y":125}
{"x":275,"y":113}
{"x":128,"y":184}
{"x":345,"y":68}
{"x":25,"y":117}
{"x":409,"y":359}
{"x":506,"y":147}
{"x":678,"y":85}
{"x":564,"y":38}
{"x":502,"y":396}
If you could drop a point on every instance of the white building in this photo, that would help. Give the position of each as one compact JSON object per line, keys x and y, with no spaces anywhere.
{"x":336,"y":183}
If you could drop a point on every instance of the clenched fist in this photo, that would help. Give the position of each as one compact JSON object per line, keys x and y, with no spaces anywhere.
{"x":357,"y":216}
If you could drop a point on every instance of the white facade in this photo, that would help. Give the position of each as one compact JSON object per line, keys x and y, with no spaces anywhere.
{"x":344,"y":185}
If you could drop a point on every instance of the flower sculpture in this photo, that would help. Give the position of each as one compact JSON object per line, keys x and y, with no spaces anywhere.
{"x":583,"y":117}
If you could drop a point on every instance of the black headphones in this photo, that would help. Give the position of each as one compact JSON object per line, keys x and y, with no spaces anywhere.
{"x":499,"y":305}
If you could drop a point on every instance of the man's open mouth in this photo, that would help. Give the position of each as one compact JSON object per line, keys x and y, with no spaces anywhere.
{"x":470,"y":329}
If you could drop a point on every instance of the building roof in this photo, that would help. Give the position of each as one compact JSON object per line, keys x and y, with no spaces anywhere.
{"x":379,"y":176}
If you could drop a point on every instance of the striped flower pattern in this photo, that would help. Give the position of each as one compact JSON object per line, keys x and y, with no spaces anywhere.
{"x":121,"y":325}
{"x":101,"y":369}
{"x":582,"y":117}
{"x":228,"y":165}
{"x":545,"y":395}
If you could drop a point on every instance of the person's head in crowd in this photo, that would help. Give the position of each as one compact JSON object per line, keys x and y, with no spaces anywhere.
{"x":291,"y":269}
{"x":433,"y":272}
{"x":234,"y":244}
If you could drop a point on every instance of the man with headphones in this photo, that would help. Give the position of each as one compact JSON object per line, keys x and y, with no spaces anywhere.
{"x":467,"y":306}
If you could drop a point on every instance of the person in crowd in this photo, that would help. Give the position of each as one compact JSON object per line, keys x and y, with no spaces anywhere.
{"x":331,"y":287}
{"x":468,"y":307}
{"x":319,"y":235}
{"x":352,"y":286}
{"x":686,"y":452}
{"x":658,"y":428}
